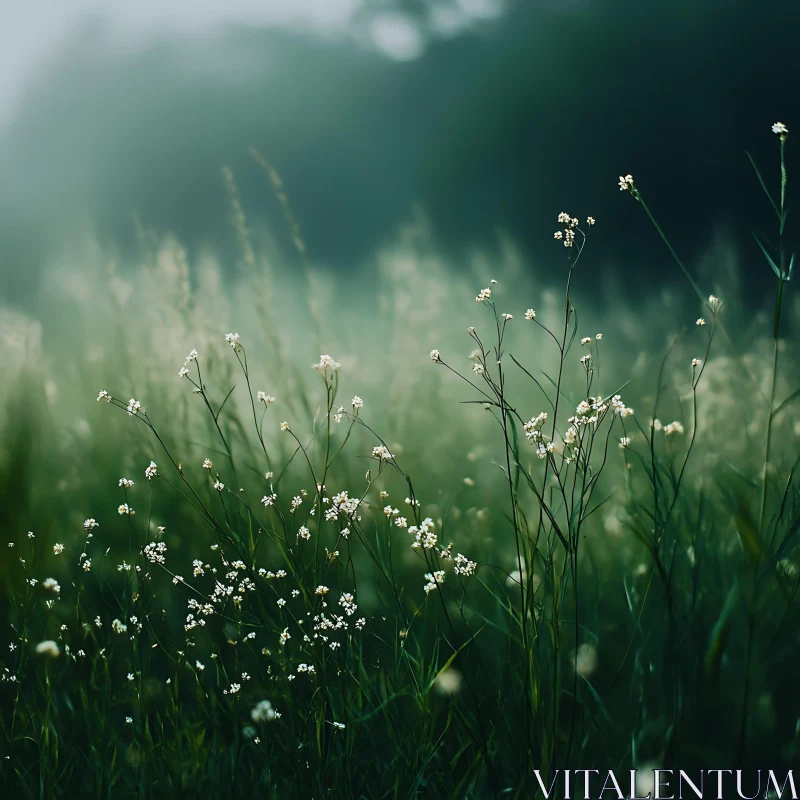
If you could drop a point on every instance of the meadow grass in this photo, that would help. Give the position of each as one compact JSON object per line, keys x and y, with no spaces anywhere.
{"x":572,"y":546}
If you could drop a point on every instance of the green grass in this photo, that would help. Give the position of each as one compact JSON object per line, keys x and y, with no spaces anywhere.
{"x":602,"y":606}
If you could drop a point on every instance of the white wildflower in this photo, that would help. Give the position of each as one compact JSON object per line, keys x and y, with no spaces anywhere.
{"x":48,"y":648}
{"x":263,"y":712}
{"x":325,"y":361}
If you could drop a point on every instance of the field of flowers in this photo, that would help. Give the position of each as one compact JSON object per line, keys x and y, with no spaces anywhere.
{"x":491,"y":525}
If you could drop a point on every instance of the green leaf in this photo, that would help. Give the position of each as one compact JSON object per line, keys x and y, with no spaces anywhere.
{"x":227,"y":396}
{"x":769,"y":258}
{"x":716,"y":645}
{"x":764,"y":186}
{"x":785,"y":403}
{"x":789,"y":542}
{"x":748,"y":534}
{"x":453,"y":657}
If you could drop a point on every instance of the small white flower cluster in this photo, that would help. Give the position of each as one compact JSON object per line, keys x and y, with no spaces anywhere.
{"x":119,"y":627}
{"x":534,"y":435}
{"x":424,"y":535}
{"x":206,"y":609}
{"x":530,"y":314}
{"x":620,"y":408}
{"x":326,"y":362}
{"x":779,"y":129}
{"x":583,"y":415}
{"x":324,"y":623}
{"x":463,"y":566}
{"x":90,"y":523}
{"x":625,"y":183}
{"x":232,"y":339}
{"x":125,"y":483}
{"x":134,"y":407}
{"x":104,"y":395}
{"x":532,"y":427}
{"x":48,"y":648}
{"x":264,"y":398}
{"x":151,"y":471}
{"x":303,"y":533}
{"x":154,"y":552}
{"x":483,"y":295}
{"x":269,"y":499}
{"x":435,"y":356}
{"x":568,"y":234}
{"x":673,"y":427}
{"x":591,"y":412}
{"x":433,"y":580}
{"x":51,"y":584}
{"x":6,"y":676}
{"x":184,"y":370}
{"x":344,"y":504}
{"x":382,"y":453}
{"x":125,"y":509}
{"x":348,"y":603}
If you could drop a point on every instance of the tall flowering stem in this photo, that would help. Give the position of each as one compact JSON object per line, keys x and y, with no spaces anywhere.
{"x":783,"y":276}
